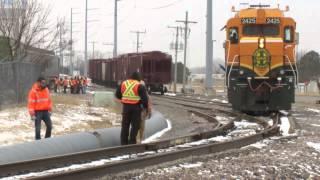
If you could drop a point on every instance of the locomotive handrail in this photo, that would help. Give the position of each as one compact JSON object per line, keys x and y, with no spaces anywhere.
{"x":226,"y":62}
{"x":294,"y":73}
{"x":234,"y":58}
{"x":297,"y":72}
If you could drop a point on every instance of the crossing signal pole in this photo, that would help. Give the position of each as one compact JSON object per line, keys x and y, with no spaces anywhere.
{"x":186,"y":28}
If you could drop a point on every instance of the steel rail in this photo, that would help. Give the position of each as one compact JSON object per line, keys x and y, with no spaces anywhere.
{"x":199,"y":101}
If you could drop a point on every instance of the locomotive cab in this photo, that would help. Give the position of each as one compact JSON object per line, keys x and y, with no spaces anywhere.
{"x":260,"y":59}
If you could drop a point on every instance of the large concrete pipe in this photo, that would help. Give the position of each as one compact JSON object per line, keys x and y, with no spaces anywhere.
{"x":73,"y":143}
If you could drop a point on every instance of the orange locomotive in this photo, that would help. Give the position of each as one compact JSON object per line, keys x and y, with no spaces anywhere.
{"x":260,"y":58}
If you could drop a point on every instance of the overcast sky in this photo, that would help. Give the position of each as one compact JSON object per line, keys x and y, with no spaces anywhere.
{"x":155,"y":15}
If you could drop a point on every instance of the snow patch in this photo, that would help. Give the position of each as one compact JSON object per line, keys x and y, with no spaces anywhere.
{"x":315,"y":146}
{"x":313,"y":110}
{"x":65,"y":119}
{"x":270,"y":122}
{"x":220,"y":118}
{"x":188,"y":166}
{"x":158,"y":134}
{"x":258,"y":145}
{"x":284,"y":112}
{"x":72,"y":167}
{"x":220,"y":100}
{"x":219,"y":91}
{"x":285,"y":126}
{"x":244,"y":124}
{"x":204,"y":172}
{"x":220,"y":138}
{"x":170,"y":94}
{"x":316,"y":125}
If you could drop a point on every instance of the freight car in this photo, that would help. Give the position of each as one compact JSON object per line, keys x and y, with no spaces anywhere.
{"x":154,"y":66}
{"x":260,"y":59}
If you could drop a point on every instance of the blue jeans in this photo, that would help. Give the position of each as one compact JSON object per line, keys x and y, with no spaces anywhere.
{"x":84,"y":89}
{"x":45,"y":116}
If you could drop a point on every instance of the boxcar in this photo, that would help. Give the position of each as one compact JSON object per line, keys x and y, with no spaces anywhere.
{"x":155,"y":68}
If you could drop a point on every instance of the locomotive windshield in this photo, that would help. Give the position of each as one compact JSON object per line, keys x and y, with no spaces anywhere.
{"x":261,"y":30}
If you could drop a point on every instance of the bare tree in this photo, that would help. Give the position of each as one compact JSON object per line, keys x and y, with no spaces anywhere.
{"x":25,"y":24}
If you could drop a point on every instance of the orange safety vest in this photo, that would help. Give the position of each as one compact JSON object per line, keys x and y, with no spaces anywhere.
{"x":57,"y":81}
{"x":73,"y":82}
{"x":65,"y":82}
{"x":129,"y":91}
{"x":39,"y":99}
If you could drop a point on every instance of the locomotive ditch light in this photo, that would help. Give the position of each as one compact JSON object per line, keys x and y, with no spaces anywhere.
{"x":279,"y":78}
{"x":249,"y":78}
{"x":261,"y":43}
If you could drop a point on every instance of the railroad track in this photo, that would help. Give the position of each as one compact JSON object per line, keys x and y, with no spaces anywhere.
{"x":193,"y":100}
{"x":157,"y":158}
{"x":59,"y":161}
{"x":161,"y":152}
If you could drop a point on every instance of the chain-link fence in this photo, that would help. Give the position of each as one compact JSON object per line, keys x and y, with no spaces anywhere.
{"x":16,"y":78}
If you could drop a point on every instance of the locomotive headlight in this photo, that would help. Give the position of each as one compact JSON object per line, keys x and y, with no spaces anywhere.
{"x":282,"y":72}
{"x":261,"y":43}
{"x":241,"y":72}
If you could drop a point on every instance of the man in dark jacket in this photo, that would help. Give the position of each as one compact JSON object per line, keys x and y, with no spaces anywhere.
{"x":134,"y":98}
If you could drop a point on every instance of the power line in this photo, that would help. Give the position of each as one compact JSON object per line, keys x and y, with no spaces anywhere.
{"x":186,"y":23}
{"x":164,"y":6}
{"x":93,"y":43}
{"x":138,"y":38}
{"x":176,"y":48}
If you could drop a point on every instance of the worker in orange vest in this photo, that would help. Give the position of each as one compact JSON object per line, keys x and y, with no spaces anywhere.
{"x":40,"y":107}
{"x":74,"y":85}
{"x":134,"y":98}
{"x":56,"y":84}
{"x":65,"y":84}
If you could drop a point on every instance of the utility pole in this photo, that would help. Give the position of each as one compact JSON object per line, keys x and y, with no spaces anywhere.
{"x":209,"y":48}
{"x":86,"y":42}
{"x":71,"y":44}
{"x":138,"y":38}
{"x":60,"y":48}
{"x":93,"y":43}
{"x":115,"y":36}
{"x":176,"y":48}
{"x":71,"y":40}
{"x":186,"y":23}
